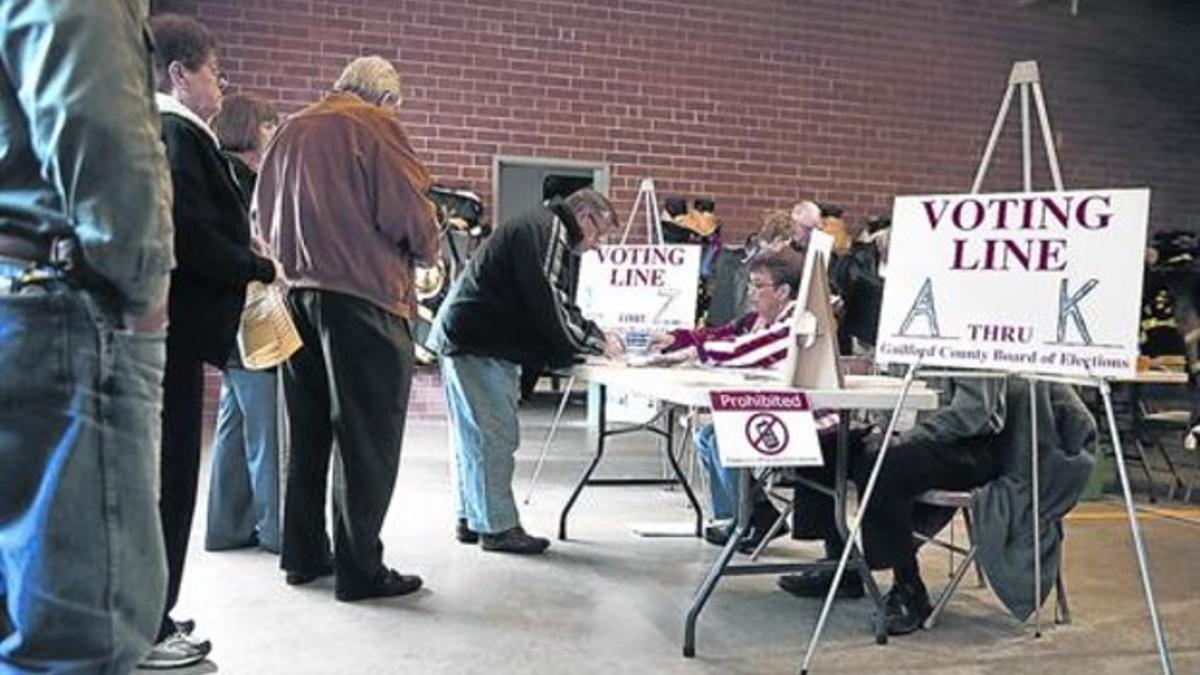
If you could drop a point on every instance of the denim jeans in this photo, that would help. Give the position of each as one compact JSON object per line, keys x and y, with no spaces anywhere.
{"x":243,"y":488}
{"x":481,"y":397}
{"x":722,"y":483}
{"x":82,"y":572}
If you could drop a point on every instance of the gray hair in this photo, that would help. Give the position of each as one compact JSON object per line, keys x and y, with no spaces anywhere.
{"x":370,"y":78}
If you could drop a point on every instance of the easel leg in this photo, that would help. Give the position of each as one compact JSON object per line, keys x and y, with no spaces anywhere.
{"x":864,"y":501}
{"x":1037,"y":511}
{"x":1139,"y":547}
{"x":537,"y":470}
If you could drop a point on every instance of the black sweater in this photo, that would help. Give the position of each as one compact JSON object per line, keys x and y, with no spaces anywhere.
{"x":514,"y":299}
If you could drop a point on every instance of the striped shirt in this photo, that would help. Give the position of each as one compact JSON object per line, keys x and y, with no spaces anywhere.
{"x":744,"y":343}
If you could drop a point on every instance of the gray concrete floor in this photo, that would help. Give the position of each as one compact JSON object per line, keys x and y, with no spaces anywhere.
{"x":608,"y":601}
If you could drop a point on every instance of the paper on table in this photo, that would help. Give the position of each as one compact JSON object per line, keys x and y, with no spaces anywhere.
{"x":266,"y":337}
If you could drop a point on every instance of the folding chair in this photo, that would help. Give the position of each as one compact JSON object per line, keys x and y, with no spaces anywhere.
{"x":963,"y":501}
{"x":1153,"y":426}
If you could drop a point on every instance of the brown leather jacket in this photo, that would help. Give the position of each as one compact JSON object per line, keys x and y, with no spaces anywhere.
{"x":341,"y":199}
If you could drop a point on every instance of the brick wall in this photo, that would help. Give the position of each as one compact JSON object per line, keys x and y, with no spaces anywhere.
{"x":757,"y":103}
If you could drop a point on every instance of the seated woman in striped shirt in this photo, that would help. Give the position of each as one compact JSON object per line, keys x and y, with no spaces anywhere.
{"x":758,"y":339}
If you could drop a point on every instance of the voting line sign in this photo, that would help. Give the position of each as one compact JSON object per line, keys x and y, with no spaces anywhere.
{"x":642,"y":288}
{"x":1035,"y":282}
{"x":765,"y":428}
{"x":636,"y":291}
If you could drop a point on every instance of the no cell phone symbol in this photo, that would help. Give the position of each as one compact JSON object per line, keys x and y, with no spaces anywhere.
{"x":768,"y":435}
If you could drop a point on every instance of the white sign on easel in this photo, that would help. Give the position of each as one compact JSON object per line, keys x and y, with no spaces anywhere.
{"x":640,"y":288}
{"x":637,"y":290}
{"x":765,"y":428}
{"x":1043,"y":282}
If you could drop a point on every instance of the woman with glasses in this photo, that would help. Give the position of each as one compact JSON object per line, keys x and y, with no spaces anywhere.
{"x":214,"y":262}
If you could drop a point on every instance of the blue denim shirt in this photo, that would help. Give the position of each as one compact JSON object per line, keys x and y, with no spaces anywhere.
{"x":79,"y":139}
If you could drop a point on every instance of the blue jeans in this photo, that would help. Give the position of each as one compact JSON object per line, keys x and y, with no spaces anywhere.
{"x":481,"y":396}
{"x":243,"y":488}
{"x":82,"y":570}
{"x":722,"y":483}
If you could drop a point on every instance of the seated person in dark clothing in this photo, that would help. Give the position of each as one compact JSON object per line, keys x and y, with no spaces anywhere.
{"x":952,"y":448}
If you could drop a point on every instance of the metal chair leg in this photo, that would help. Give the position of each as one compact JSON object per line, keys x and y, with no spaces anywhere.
{"x":1178,"y":478}
{"x":970,"y":525}
{"x":948,"y":591}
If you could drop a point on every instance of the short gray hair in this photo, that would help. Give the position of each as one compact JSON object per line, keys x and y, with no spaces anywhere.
{"x":370,"y":78}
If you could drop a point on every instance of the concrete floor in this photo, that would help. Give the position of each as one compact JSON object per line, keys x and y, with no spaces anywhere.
{"x":608,"y":601}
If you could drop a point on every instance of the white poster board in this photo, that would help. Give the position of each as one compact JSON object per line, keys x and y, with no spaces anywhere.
{"x":1045,"y":282}
{"x":640,"y":288}
{"x":765,"y":428}
{"x":636,"y":291}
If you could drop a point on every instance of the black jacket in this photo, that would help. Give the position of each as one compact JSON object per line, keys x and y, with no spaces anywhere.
{"x":514,"y":299}
{"x":212,"y":246}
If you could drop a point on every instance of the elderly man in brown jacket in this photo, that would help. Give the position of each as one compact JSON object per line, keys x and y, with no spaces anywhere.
{"x":341,"y":199}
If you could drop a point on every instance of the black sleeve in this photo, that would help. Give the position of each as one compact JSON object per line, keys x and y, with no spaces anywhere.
{"x":557,"y":319}
{"x":201,"y":248}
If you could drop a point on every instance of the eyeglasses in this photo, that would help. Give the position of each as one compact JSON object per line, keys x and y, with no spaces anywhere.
{"x":760,"y":285}
{"x":219,"y":75}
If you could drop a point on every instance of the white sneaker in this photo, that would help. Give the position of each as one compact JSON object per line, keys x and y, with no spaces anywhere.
{"x":176,"y":651}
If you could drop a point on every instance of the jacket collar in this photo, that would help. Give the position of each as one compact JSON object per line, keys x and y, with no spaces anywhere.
{"x":168,"y":104}
{"x":559,"y":208}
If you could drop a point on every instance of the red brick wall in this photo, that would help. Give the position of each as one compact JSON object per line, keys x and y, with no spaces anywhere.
{"x":756,"y":102}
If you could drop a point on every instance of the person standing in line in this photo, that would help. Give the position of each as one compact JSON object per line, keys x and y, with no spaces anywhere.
{"x":511,"y":305}
{"x":243,"y":489}
{"x":85,"y":259}
{"x":348,"y":250}
{"x":208,"y":290}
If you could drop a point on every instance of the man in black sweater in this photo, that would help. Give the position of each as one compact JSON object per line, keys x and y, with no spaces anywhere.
{"x":513,"y":304}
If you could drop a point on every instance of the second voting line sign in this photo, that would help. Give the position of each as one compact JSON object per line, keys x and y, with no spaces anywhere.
{"x":649,"y":288}
{"x":1044,"y":282}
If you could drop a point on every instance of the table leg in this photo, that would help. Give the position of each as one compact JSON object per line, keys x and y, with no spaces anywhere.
{"x":679,"y":475}
{"x":602,"y":430}
{"x":718,"y":567}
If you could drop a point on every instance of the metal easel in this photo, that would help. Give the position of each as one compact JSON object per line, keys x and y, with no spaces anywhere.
{"x":1024,"y":79}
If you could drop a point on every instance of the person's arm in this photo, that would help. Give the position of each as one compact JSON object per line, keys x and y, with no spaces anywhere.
{"x":200,"y":247}
{"x":538,"y":272}
{"x":402,"y":211}
{"x":84,"y":79}
{"x":977,"y":407}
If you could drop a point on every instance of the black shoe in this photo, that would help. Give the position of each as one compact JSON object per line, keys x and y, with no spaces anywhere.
{"x":301,"y":577}
{"x":718,"y":535}
{"x":514,"y":540}
{"x":391,"y":584}
{"x":464,"y":534}
{"x":761,"y":520}
{"x":815,"y":584}
{"x":906,"y":606}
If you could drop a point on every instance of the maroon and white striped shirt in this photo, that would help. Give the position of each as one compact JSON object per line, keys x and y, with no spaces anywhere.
{"x":744,"y":343}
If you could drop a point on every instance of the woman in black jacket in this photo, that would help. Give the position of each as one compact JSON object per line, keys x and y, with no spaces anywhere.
{"x":208,"y":289}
